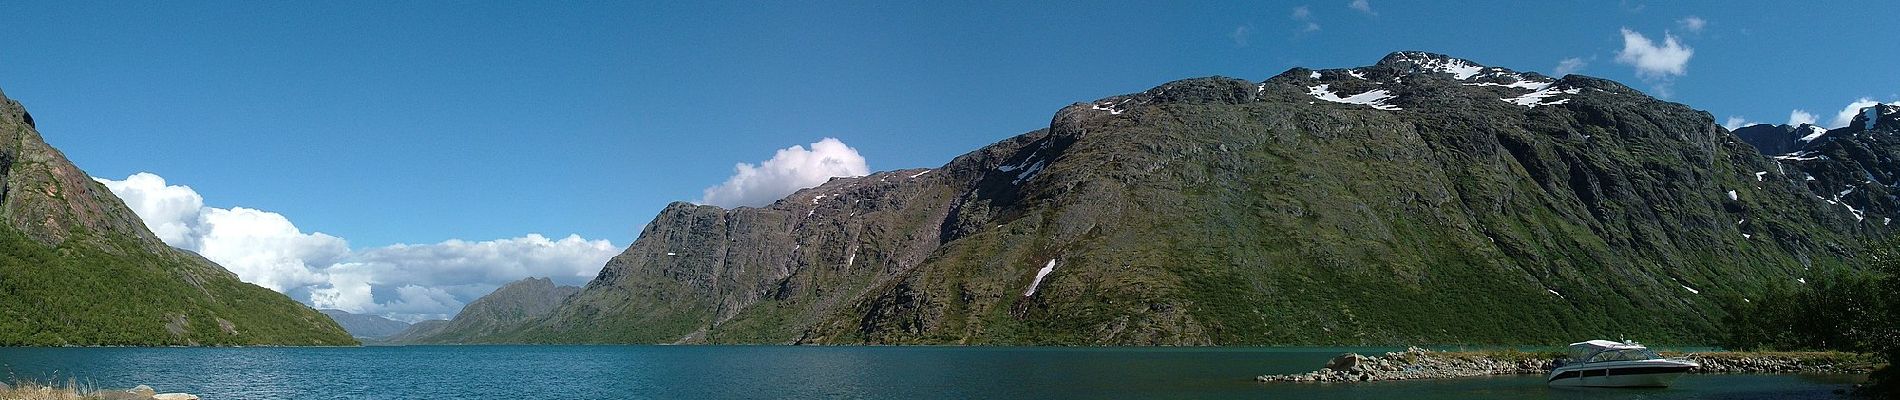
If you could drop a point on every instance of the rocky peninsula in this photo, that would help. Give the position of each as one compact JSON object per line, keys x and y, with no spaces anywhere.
{"x":1418,"y":363}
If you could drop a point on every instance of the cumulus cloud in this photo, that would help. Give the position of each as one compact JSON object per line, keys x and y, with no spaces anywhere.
{"x":789,"y":170}
{"x":261,"y":247}
{"x":172,"y":210}
{"x":1304,"y":16}
{"x":1570,"y":66}
{"x":1798,"y":117}
{"x":1363,"y":6}
{"x":1652,"y":61}
{"x":1846,"y":116}
{"x":1736,"y":122}
{"x":404,"y":281}
{"x":1692,"y":24}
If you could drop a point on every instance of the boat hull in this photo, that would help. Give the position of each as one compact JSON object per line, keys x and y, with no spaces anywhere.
{"x":1647,"y":374}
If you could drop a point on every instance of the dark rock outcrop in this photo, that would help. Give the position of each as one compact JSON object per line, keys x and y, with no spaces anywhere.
{"x":1773,"y":139}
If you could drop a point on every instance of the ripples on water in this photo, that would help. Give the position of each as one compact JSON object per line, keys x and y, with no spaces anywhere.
{"x":777,"y":372}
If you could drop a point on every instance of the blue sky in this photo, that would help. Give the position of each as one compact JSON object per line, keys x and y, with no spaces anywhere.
{"x":418,"y":122}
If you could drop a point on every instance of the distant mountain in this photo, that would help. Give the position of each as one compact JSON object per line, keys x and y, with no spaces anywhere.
{"x":365,"y":326}
{"x":79,"y":268}
{"x":416,"y":331}
{"x":1853,"y":168}
{"x":505,"y":308}
{"x":1778,"y":139}
{"x":1422,"y":199}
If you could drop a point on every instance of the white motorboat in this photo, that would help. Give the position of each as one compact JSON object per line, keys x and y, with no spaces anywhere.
{"x":1603,"y":363}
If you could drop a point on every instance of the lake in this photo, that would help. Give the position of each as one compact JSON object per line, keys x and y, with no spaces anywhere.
{"x":777,"y":372}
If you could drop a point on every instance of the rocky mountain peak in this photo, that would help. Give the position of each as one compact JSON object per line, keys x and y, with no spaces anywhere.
{"x":1426,"y":62}
{"x":529,"y":283}
{"x":1807,"y":133}
{"x":1878,"y":116}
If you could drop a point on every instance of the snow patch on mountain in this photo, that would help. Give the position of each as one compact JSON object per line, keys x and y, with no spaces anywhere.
{"x":1537,"y":97}
{"x":1113,"y":108}
{"x":1373,"y":98}
{"x":1809,"y":133}
{"x":1046,"y":269}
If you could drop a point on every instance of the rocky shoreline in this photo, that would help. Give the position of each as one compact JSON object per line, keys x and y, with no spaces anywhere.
{"x":1417,"y":363}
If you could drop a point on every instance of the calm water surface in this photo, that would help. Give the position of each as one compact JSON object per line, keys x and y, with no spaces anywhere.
{"x":775,"y":372}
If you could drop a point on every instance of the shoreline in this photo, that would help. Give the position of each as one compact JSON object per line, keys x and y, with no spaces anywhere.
{"x":1416,"y":363}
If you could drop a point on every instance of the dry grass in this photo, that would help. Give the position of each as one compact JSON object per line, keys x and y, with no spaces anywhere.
{"x":31,"y":390}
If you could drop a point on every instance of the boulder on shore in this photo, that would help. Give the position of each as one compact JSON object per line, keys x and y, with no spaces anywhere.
{"x":1345,"y":362}
{"x":140,"y":392}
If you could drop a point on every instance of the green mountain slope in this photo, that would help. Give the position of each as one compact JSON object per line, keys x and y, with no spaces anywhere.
{"x":1423,"y":199}
{"x":78,"y":268}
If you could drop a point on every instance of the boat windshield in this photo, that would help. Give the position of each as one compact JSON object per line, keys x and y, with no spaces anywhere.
{"x":1624,"y":355}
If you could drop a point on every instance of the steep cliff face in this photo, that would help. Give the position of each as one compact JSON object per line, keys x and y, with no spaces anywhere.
{"x":1421,"y":199}
{"x":79,"y":268}
{"x":1779,"y":139}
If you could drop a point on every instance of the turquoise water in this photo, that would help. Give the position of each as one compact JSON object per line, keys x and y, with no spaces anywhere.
{"x":776,"y":372}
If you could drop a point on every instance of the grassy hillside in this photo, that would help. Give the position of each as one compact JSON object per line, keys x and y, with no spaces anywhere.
{"x":78,"y":268}
{"x":83,"y":296}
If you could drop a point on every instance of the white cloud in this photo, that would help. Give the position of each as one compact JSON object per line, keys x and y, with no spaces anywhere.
{"x":1305,"y":16}
{"x":1570,"y":66}
{"x":170,"y":211}
{"x":1240,"y":35}
{"x":570,"y":260}
{"x":261,"y":247}
{"x":1846,"y":116}
{"x":405,"y":282}
{"x":1736,"y":122}
{"x":1363,"y":6}
{"x":1798,"y":117}
{"x":1653,"y":62}
{"x":789,"y":170}
{"x":1692,"y":23}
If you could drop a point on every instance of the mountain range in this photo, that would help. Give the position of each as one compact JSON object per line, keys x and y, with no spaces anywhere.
{"x":1421,"y":199}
